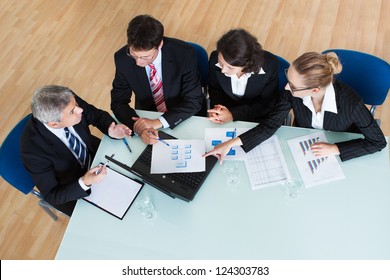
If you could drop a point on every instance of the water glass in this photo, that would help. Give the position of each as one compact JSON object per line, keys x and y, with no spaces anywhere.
{"x":293,"y":187}
{"x":145,"y":206}
{"x":232,"y":174}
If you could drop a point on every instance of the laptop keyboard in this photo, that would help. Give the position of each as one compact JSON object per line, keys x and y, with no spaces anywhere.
{"x":190,"y":180}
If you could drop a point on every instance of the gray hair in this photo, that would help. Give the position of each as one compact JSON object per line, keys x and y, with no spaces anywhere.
{"x":49,"y":102}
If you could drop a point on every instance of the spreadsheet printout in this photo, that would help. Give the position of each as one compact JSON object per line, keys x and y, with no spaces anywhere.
{"x":266,"y":165}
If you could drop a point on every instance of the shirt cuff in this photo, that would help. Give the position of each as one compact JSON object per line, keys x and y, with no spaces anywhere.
{"x":164,"y":123}
{"x":83,"y":186}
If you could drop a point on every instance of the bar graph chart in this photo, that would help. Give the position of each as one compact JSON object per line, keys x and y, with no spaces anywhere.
{"x":314,"y":170}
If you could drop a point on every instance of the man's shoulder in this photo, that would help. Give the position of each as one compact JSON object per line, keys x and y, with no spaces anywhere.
{"x":176,"y":44}
{"x":121,"y":51}
{"x":31,"y":134}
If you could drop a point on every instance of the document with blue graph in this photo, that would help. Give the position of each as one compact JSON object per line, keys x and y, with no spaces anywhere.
{"x":215,"y":136}
{"x":178,"y":156}
{"x":314,"y":170}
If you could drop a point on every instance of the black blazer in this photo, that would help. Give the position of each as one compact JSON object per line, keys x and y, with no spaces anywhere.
{"x":52,"y":165}
{"x":352,"y":116}
{"x":260,"y":95}
{"x":181,"y":84}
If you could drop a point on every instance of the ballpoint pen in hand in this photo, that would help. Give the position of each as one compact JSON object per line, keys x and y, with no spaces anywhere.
{"x":101,"y":167}
{"x":104,"y":165}
{"x":159,"y":139}
{"x":127,"y":144}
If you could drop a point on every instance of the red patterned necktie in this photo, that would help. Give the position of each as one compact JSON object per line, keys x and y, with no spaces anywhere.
{"x":157,"y":89}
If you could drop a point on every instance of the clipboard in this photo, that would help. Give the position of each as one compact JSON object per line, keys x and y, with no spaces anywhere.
{"x":115,"y":193}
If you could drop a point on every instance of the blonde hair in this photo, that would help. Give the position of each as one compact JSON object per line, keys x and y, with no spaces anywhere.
{"x":317,"y":69}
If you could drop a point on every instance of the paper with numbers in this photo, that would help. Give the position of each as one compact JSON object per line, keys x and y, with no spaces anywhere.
{"x":266,"y":165}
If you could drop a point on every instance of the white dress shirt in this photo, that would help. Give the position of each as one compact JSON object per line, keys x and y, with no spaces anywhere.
{"x":239,"y":83}
{"x":328,"y":104}
{"x":60,"y":133}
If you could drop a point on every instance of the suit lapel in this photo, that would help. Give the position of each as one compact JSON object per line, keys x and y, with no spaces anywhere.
{"x":225,"y":83}
{"x":56,"y":145}
{"x":143,"y":79}
{"x":330,"y":122}
{"x":167,"y":65}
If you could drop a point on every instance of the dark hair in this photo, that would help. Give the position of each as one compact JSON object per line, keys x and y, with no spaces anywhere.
{"x":317,"y":69}
{"x":144,"y":33}
{"x":240,"y":48}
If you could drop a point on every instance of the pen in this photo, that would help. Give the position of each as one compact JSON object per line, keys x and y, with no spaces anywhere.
{"x":127,"y":144}
{"x":101,"y":168}
{"x":161,"y":140}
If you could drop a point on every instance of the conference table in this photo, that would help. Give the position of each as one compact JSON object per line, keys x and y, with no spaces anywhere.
{"x":344,"y":219}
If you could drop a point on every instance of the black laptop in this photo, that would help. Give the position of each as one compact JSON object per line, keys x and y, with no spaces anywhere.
{"x":180,"y":185}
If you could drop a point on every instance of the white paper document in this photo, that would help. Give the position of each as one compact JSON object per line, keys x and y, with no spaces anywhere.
{"x":266,"y":165}
{"x":314,"y":170}
{"x":180,"y":156}
{"x":215,"y":136}
{"x":115,"y":193}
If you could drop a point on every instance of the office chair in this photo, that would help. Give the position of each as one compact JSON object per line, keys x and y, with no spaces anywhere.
{"x":203,"y":66}
{"x":283,"y":65}
{"x":13,"y":171}
{"x":368,"y":75}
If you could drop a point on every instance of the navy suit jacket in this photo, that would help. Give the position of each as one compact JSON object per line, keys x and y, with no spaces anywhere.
{"x":260,"y":95}
{"x":352,"y":116}
{"x":181,"y":84}
{"x":53,"y":167}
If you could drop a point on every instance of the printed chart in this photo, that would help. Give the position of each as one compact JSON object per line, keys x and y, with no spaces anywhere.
{"x":314,"y":170}
{"x":179,"y":156}
{"x":215,"y":136}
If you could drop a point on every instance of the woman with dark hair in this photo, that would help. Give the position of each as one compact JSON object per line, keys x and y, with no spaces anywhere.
{"x":243,"y":79}
{"x":318,"y":101}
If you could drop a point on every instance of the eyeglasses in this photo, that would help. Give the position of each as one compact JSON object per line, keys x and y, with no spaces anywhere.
{"x":145,"y":58}
{"x":292,"y":88}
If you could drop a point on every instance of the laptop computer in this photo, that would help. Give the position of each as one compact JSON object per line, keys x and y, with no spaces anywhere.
{"x":177,"y":185}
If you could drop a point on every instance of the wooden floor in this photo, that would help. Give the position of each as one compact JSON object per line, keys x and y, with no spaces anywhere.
{"x":72,"y":43}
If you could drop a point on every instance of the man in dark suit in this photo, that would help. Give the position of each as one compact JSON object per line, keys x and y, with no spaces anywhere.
{"x":57,"y":147}
{"x":163,"y":75}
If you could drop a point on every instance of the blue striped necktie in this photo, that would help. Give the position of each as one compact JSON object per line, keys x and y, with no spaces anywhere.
{"x":79,"y":149}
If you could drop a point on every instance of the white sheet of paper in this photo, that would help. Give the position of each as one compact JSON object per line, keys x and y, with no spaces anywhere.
{"x":115,"y":193}
{"x":181,"y":156}
{"x":314,"y":170}
{"x":266,"y":165}
{"x":215,"y":136}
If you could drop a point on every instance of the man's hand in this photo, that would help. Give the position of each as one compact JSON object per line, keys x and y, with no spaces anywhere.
{"x":149,"y":136}
{"x":94,"y":175}
{"x":143,"y":123}
{"x":118,"y":131}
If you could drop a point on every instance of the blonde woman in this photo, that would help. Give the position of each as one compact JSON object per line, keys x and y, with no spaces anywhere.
{"x":318,"y":101}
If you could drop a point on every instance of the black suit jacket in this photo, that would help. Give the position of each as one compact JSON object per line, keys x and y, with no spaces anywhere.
{"x":52,"y":165}
{"x":352,"y":116}
{"x":181,"y":84}
{"x":260,"y":95}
